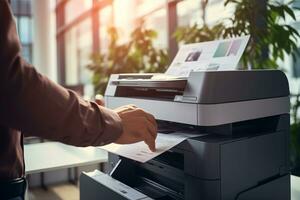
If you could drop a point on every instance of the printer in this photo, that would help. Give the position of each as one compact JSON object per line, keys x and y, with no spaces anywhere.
{"x":242,"y":152}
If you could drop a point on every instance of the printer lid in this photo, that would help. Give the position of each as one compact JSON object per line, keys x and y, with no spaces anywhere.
{"x":204,"y":87}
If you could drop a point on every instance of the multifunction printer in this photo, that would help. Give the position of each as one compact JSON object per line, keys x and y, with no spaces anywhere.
{"x":242,"y":152}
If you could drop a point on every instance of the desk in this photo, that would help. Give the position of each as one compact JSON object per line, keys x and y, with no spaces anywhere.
{"x":295,"y":187}
{"x":50,"y":156}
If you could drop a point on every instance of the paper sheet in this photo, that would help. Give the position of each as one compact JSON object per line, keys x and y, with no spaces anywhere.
{"x":212,"y":55}
{"x":140,"y":151}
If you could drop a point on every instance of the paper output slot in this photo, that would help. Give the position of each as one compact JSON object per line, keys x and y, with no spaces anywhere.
{"x":147,"y":92}
{"x":135,"y":76}
{"x":178,"y":84}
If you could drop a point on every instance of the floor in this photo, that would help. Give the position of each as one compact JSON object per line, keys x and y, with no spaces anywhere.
{"x":56,"y":192}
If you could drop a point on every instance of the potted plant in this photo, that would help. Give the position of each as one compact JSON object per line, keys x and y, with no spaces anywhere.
{"x":264,"y":20}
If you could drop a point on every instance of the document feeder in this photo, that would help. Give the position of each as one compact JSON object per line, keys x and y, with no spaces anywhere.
{"x":242,"y":152}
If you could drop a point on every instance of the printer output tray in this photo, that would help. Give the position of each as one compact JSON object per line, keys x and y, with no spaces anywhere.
{"x":97,"y":184}
{"x":177,"y":84}
{"x":131,"y":180}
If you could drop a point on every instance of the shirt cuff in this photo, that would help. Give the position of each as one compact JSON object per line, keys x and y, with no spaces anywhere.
{"x":113,"y":127}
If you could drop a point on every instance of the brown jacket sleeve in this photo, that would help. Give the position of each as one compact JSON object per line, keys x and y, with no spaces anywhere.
{"x":33,"y":104}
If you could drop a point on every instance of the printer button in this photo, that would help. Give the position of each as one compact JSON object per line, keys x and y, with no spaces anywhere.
{"x":178,"y":98}
{"x":189,"y":98}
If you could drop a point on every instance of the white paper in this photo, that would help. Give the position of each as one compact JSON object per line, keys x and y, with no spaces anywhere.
{"x":140,"y":151}
{"x":212,"y":55}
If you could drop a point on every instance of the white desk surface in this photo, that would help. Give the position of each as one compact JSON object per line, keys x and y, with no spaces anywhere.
{"x":49,"y":156}
{"x":295,"y":187}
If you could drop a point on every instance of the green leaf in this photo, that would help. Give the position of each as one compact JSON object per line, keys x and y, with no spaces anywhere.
{"x":290,"y":12}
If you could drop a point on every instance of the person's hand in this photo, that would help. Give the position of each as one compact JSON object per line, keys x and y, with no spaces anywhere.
{"x":138,"y":125}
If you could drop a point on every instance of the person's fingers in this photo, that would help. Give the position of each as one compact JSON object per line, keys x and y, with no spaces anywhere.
{"x":151,"y":119}
{"x":151,"y":128}
{"x":119,"y":110}
{"x":124,"y":109}
{"x":151,"y":144}
{"x":149,"y":139}
{"x":99,"y":96}
{"x":140,"y":111}
{"x":131,"y":111}
{"x":148,"y":115}
{"x":141,"y":124}
{"x":99,"y":99}
{"x":129,"y":107}
{"x":132,"y":106}
{"x":153,"y":125}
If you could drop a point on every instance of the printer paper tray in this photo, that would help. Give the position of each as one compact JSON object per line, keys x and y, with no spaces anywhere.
{"x":107,"y":188}
{"x":111,"y":188}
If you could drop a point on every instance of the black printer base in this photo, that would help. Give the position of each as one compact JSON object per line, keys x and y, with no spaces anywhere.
{"x":278,"y":189}
{"x":101,"y":186}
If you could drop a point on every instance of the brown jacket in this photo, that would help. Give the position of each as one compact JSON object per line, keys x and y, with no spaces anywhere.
{"x":31,"y":103}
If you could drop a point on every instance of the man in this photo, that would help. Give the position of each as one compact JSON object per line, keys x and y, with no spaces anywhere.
{"x":32,"y":104}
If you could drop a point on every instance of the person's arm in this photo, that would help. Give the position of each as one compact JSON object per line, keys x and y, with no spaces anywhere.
{"x":33,"y":104}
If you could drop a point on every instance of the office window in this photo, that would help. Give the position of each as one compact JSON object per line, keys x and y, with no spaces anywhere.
{"x":23,"y":14}
{"x":25,"y":27}
{"x":158,"y":22}
{"x":217,"y":6}
{"x":189,"y":12}
{"x":74,"y":8}
{"x":105,"y":21}
{"x":78,"y":48}
{"x":76,"y":39}
{"x":124,"y":13}
{"x":145,"y":7}
{"x":21,"y":7}
{"x":27,"y":52}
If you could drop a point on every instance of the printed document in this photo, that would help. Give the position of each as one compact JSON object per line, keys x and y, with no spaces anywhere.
{"x":212,"y":55}
{"x":140,"y":151}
